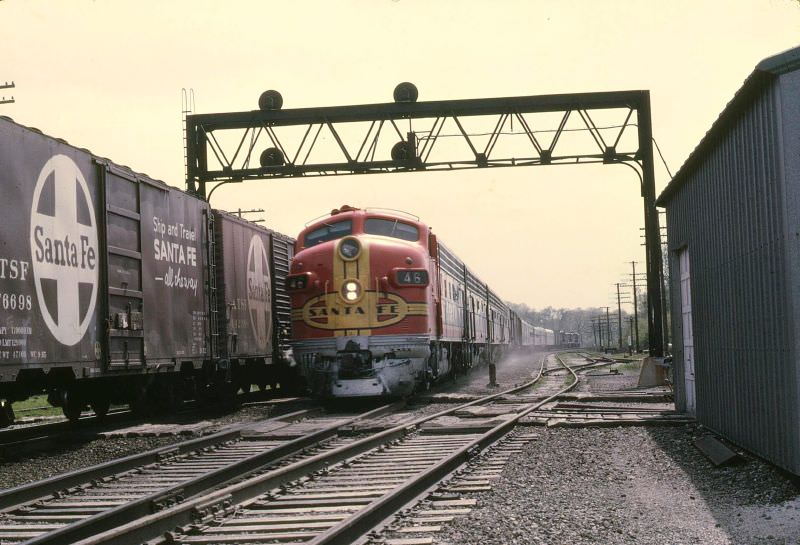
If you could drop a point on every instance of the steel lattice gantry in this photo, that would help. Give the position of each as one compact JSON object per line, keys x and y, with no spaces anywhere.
{"x":274,"y":143}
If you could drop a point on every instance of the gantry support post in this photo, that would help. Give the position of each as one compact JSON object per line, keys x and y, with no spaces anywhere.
{"x":651,"y":230}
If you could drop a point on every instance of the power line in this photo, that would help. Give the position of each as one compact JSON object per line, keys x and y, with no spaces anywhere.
{"x":662,"y":158}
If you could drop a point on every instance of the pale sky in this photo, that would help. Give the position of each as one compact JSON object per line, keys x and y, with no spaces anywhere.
{"x":107,"y":76}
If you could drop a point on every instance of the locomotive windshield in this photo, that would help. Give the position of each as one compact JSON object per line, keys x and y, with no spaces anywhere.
{"x":391,"y":228}
{"x":329,"y":231}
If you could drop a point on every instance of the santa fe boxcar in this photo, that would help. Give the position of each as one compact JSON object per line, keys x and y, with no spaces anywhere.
{"x":115,"y":287}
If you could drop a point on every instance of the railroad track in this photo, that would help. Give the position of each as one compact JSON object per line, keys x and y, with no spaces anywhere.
{"x":455,"y":496}
{"x":61,"y":509}
{"x":22,"y":439}
{"x":332,"y":490}
{"x":287,"y":482}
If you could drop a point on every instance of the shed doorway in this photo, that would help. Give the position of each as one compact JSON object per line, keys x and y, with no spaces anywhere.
{"x":688,"y":340}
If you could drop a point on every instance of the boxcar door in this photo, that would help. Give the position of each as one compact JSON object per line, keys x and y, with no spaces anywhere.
{"x":123,"y":255}
{"x":688,"y":338}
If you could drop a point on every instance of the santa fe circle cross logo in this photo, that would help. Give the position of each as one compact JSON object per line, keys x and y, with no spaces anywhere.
{"x":64,"y":249}
{"x":259,"y":298}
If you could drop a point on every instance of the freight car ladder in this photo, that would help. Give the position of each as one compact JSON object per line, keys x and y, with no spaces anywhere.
{"x":187,"y":107}
{"x":213,"y":311}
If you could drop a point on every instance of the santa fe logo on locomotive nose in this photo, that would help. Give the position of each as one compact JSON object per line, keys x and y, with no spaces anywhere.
{"x":259,"y":297}
{"x":64,"y":249}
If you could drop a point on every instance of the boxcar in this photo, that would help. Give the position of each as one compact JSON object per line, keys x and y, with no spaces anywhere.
{"x":251,"y":301}
{"x":115,"y":287}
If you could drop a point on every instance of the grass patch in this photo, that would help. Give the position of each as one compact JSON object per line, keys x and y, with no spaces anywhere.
{"x":538,"y":384}
{"x":35,"y":406}
{"x":628,"y":366}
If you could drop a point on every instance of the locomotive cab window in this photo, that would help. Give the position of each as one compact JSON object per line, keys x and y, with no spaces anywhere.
{"x":391,"y":228}
{"x":328,"y":231}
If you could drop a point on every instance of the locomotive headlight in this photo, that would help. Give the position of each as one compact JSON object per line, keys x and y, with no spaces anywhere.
{"x":349,"y":249}
{"x":351,"y":291}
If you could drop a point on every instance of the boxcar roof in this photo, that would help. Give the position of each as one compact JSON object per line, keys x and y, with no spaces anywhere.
{"x":764,"y":72}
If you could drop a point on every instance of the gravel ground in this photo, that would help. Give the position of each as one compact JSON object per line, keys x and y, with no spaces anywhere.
{"x":629,"y":485}
{"x":642,"y":485}
{"x":74,"y":456}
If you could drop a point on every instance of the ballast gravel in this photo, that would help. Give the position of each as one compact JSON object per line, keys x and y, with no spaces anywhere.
{"x":73,"y":456}
{"x":625,"y":485}
{"x":514,"y":369}
{"x":642,"y":485}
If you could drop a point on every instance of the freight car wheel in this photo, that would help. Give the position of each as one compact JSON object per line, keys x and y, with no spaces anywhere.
{"x":140,"y":402}
{"x":72,"y":404}
{"x":165,"y":396}
{"x":100,"y":405}
{"x":228,"y":395}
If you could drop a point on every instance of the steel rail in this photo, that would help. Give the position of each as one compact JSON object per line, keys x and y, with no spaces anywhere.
{"x":12,"y":497}
{"x":9,"y":437}
{"x":203,"y":508}
{"x":21,"y":438}
{"x":365,"y":520}
{"x":145,"y":505}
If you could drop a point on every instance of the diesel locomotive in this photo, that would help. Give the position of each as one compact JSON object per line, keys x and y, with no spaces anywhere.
{"x":380,"y":307}
{"x":117,"y":288}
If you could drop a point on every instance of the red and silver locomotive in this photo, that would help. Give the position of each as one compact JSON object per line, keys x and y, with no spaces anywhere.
{"x":380,"y":308}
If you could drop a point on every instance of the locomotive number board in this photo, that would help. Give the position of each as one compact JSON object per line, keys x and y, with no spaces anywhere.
{"x":412,"y":278}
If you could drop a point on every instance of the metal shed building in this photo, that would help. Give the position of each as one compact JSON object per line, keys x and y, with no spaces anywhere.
{"x":733,"y":225}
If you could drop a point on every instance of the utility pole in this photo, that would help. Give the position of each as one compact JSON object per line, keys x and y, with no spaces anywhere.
{"x":630,"y":321}
{"x":600,"y":331}
{"x":621,"y":298}
{"x":4,"y":100}
{"x":594,"y":332}
{"x":619,"y":315}
{"x":596,"y":322}
{"x":608,"y":324}
{"x":635,"y":306}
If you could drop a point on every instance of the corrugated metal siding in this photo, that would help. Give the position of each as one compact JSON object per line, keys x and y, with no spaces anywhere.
{"x":730,"y":215}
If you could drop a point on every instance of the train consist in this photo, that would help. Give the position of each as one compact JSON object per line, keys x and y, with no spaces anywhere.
{"x":117,"y":288}
{"x":381,"y":308}
{"x":569,"y":339}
